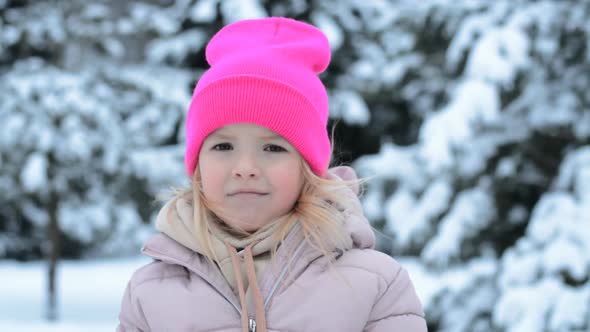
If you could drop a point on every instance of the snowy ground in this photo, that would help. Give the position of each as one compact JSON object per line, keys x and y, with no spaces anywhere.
{"x":89,"y":294}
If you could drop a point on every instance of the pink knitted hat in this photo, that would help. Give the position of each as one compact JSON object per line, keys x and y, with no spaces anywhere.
{"x":264,"y":72}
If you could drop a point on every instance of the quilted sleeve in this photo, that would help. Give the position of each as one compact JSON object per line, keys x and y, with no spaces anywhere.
{"x":397,"y":308}
{"x":131,"y":318}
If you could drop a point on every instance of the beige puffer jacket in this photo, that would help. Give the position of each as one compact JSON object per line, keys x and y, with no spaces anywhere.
{"x":182,"y":291}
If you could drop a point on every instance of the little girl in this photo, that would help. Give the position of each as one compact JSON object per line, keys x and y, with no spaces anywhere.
{"x":267,"y":238}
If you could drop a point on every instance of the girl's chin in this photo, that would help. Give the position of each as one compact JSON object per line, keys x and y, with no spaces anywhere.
{"x":248,"y":223}
{"x":245,"y":225}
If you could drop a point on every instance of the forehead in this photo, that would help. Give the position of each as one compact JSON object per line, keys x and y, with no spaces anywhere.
{"x":245,"y":129}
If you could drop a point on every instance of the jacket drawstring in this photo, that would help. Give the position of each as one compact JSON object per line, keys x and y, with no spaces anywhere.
{"x":233,"y":253}
{"x":253,"y":283}
{"x":258,"y":300}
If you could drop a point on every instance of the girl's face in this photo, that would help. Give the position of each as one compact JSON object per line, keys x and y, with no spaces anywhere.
{"x":251,"y":173}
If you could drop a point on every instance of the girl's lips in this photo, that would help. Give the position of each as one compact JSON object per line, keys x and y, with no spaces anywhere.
{"x":247,"y":194}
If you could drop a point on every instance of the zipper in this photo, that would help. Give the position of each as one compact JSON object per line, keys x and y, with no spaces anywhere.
{"x":282,"y":275}
{"x":251,"y":325}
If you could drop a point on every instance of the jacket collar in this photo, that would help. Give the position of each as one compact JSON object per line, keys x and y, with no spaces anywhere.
{"x":294,"y":255}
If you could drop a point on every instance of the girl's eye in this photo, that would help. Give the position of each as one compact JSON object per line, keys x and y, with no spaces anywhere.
{"x":222,"y":147}
{"x":274,"y":148}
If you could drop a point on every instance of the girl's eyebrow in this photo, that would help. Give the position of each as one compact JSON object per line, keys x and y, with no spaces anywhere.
{"x":224,"y":136}
{"x":271,"y":136}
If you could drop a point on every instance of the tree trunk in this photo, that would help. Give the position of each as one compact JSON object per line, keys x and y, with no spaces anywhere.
{"x":53,"y":257}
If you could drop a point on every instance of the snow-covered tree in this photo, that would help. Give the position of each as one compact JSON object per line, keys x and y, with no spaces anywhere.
{"x":473,"y":194}
{"x":85,"y":143}
{"x":82,"y":157}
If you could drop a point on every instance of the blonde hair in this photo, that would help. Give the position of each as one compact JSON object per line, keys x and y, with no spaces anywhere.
{"x":319,"y":209}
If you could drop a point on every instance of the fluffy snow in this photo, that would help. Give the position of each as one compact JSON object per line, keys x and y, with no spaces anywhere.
{"x":474,"y":103}
{"x":470,"y":213}
{"x":332,"y":31}
{"x":349,"y":106}
{"x":34,"y":174}
{"x":175,"y":49}
{"x":498,"y":55}
{"x":83,"y":220}
{"x":203,"y":11}
{"x":555,"y":246}
{"x":409,"y":216}
{"x":235,"y":10}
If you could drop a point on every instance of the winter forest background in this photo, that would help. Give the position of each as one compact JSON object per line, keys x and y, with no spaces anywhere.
{"x":472,"y":117}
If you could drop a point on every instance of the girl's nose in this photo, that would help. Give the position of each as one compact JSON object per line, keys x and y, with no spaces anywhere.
{"x":246,"y":167}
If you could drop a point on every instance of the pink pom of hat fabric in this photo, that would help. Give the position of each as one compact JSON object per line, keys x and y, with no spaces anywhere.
{"x":264,"y":72}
